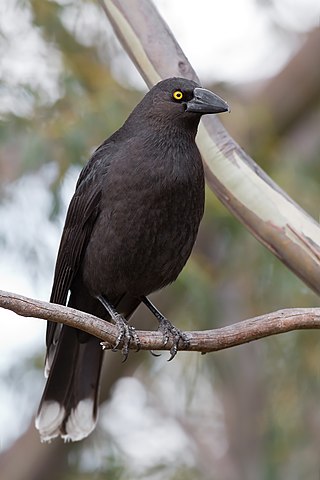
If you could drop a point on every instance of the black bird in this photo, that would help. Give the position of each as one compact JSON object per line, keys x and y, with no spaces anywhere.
{"x":129,"y":231}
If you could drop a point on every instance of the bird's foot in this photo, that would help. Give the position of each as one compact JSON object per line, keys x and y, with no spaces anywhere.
{"x":168,"y":330}
{"x":126,"y":334}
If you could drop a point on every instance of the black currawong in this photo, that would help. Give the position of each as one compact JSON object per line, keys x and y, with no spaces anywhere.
{"x":129,"y":231}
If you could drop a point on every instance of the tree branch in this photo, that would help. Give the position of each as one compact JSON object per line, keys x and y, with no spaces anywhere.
{"x":246,"y":190}
{"x":204,"y":341}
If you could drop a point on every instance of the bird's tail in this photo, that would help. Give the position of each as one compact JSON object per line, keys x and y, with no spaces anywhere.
{"x":69,"y":402}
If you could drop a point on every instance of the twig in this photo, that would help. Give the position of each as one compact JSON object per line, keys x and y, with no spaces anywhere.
{"x":202,"y":341}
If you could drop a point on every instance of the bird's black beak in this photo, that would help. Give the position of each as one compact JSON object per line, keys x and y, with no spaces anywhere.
{"x":204,"y":101}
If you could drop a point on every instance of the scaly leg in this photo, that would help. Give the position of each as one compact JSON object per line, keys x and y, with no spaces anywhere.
{"x":126,"y":333}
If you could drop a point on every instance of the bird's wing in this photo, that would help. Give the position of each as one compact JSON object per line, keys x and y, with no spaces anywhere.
{"x":81,"y":216}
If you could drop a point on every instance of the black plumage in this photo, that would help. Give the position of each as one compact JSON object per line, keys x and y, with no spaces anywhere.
{"x":129,"y":231}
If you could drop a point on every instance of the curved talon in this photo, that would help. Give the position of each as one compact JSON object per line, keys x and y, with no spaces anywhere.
{"x":125,"y":353}
{"x":118,"y":341}
{"x":155,"y":354}
{"x":173,"y":352}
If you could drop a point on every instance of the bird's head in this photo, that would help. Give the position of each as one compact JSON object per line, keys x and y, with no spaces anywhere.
{"x":181,"y":100}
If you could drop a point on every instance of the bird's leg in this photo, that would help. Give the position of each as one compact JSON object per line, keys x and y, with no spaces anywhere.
{"x":166,"y":327}
{"x":126,"y":333}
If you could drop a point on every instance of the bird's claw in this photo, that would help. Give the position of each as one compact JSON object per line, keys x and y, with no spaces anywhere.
{"x":126,"y":334}
{"x":168,"y":330}
{"x":154,"y":354}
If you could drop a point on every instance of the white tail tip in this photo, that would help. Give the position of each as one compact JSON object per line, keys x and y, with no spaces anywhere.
{"x":81,"y":421}
{"x":49,"y":420}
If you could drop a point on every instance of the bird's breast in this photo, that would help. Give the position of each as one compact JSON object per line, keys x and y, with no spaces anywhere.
{"x":148,"y":223}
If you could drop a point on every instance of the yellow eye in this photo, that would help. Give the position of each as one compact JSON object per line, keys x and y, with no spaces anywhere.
{"x":178,"y":95}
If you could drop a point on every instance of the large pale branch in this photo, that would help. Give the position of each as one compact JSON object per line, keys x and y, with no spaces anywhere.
{"x":205,"y":341}
{"x":273,"y":218}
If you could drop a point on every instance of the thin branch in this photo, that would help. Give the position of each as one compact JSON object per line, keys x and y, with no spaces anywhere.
{"x":246,"y":190}
{"x":203,"y":341}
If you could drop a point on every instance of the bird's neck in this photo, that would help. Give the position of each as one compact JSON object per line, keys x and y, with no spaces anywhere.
{"x":163,"y":123}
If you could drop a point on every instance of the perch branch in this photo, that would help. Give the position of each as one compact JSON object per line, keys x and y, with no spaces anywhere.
{"x":204,"y":341}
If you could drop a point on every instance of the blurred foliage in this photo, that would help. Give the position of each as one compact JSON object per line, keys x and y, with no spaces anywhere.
{"x":264,"y":396}
{"x":90,"y":104}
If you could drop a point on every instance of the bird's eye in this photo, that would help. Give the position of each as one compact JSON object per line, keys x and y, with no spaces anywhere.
{"x":178,"y":95}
